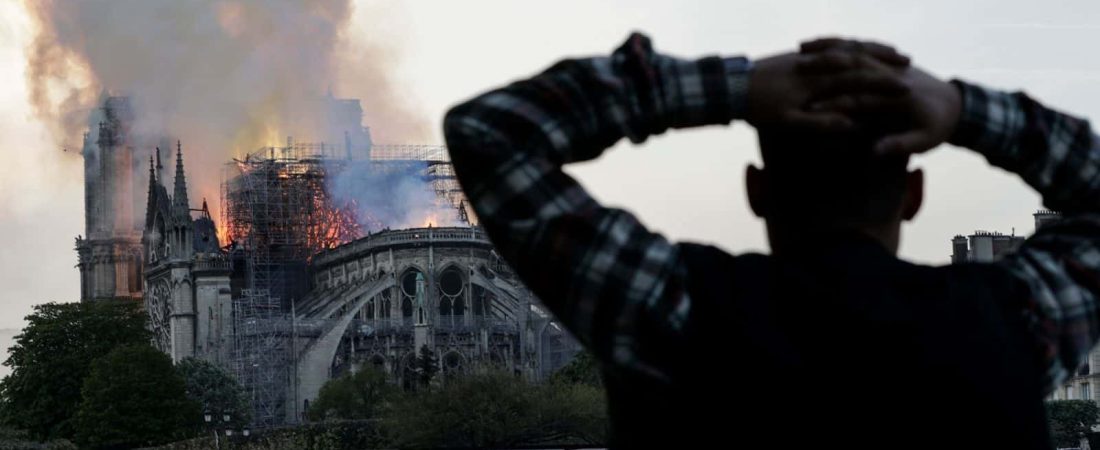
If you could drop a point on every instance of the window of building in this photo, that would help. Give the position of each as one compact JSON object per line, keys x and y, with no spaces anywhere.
{"x":1069,"y":393}
{"x":1086,"y":392}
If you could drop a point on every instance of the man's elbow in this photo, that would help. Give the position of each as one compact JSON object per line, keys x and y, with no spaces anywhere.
{"x":452,"y":129}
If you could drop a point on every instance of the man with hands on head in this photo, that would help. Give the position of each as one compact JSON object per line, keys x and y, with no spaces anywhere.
{"x":830,"y":339}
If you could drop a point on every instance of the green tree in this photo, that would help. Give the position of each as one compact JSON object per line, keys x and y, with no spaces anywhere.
{"x":360,"y":396}
{"x":427,"y":365}
{"x":52,"y":356}
{"x":574,"y":413}
{"x":497,"y":409}
{"x":1070,"y":420}
{"x":215,"y":391}
{"x":583,"y":369}
{"x":11,"y":439}
{"x":134,"y":397}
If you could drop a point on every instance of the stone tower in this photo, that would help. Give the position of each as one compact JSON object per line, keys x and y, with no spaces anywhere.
{"x":110,"y":252}
{"x":186,"y":274}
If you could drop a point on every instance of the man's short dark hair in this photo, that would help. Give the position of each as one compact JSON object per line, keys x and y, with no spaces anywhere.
{"x":832,"y":178}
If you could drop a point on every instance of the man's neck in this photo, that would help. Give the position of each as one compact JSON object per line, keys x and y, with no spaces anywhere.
{"x":791,"y":240}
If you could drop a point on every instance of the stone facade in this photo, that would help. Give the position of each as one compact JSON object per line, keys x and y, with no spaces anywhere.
{"x":187,"y":275}
{"x":378,"y":300}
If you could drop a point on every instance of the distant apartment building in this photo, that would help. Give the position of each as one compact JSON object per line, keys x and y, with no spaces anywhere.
{"x":985,"y":246}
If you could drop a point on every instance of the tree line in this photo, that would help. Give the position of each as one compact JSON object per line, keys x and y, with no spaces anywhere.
{"x":87,"y":373}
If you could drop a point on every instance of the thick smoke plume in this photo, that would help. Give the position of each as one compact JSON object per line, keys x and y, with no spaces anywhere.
{"x":392,"y":196}
{"x":224,"y":76}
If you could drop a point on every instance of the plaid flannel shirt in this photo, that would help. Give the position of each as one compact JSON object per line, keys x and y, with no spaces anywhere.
{"x":620,"y":288}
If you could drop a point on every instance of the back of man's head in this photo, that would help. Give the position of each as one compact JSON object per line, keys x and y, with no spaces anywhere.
{"x":815,"y":179}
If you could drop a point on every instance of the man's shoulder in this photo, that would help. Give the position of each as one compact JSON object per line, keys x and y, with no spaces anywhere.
{"x":705,"y":261}
{"x":707,"y":253}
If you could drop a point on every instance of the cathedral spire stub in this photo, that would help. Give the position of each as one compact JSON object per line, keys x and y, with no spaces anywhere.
{"x":179,"y":195}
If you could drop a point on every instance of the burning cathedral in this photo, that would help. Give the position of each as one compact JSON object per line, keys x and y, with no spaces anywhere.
{"x":326,"y":257}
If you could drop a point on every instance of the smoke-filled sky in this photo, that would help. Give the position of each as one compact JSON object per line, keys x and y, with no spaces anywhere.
{"x":220,"y":74}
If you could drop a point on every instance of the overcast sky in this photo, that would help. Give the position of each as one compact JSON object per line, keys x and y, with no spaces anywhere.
{"x":686,"y":184}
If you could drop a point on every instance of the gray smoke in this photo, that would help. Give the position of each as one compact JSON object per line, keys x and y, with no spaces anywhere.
{"x":224,"y":76}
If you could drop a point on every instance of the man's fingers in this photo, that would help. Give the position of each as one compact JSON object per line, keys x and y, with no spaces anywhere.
{"x":827,"y":62}
{"x":881,"y":52}
{"x":835,"y":61}
{"x":861,"y":82}
{"x":858,"y":103}
{"x":913,"y":141}
{"x":822,"y":44}
{"x":886,"y":54}
{"x":817,"y":120}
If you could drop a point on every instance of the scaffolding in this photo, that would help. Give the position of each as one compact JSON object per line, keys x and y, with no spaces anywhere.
{"x":277,"y":208}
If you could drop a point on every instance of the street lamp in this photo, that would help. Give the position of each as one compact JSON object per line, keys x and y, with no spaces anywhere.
{"x":211,"y":421}
{"x":209,"y":418}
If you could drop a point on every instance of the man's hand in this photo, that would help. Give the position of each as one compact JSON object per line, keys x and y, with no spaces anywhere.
{"x":781,"y":87}
{"x":926,"y":116}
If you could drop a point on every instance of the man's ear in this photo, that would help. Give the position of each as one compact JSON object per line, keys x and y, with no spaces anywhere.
{"x":756,"y":188}
{"x":914,"y":194}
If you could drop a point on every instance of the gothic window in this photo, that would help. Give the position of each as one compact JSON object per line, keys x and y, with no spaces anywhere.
{"x":413,"y":294}
{"x":384,"y":311}
{"x":460,"y":308}
{"x":452,"y":365}
{"x":370,"y":309}
{"x":408,"y":282}
{"x":451,"y":290}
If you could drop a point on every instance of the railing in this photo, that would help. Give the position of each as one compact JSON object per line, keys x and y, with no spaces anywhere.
{"x":397,"y":237}
{"x":212,"y":264}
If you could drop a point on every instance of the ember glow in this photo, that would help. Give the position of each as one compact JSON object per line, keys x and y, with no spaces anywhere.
{"x":310,"y":197}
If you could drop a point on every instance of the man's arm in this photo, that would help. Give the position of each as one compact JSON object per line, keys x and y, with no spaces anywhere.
{"x":611,"y":281}
{"x":1059,"y":156}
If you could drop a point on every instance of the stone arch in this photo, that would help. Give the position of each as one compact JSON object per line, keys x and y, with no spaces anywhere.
{"x":315,"y":361}
{"x":453,"y":363}
{"x":377,"y":361}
